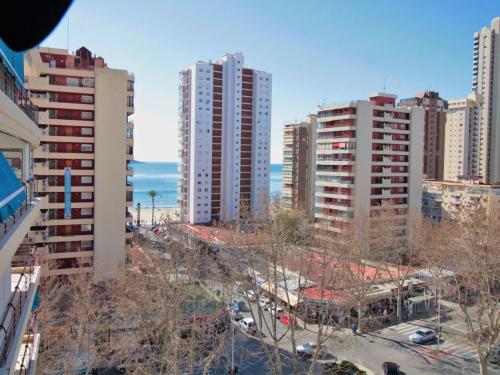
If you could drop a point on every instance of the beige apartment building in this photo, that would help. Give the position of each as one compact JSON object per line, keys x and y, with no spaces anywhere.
{"x":299,"y":164}
{"x":82,"y":162}
{"x":462,"y":117}
{"x":485,"y":150}
{"x":20,"y":208}
{"x":434,"y":131}
{"x":453,"y":199}
{"x":368,"y":157}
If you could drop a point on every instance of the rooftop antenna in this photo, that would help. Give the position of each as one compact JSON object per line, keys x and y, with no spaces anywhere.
{"x":384,"y":85}
{"x":67,"y":40}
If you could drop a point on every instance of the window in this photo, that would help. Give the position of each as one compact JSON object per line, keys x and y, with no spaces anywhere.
{"x":86,"y":228}
{"x":86,"y":180}
{"x":86,"y":163}
{"x":87,"y":99}
{"x":74,"y":82}
{"x":86,"y":211}
{"x":86,"y":244}
{"x":87,"y":131}
{"x":85,"y":115}
{"x":86,"y":147}
{"x":85,"y":195}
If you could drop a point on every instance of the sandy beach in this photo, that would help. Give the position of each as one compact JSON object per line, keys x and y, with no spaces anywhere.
{"x":161,"y":214}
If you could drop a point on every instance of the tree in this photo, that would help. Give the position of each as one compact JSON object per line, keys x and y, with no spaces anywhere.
{"x":153,"y":194}
{"x":475,"y":242}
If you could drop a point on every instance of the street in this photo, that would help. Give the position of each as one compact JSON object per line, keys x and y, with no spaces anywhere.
{"x":368,"y":350}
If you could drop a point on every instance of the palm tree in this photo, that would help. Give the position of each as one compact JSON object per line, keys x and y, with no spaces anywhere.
{"x":153,"y":194}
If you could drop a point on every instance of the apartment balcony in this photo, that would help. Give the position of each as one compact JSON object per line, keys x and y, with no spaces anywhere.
{"x":13,"y":229}
{"x":335,"y":206}
{"x":70,"y":238}
{"x":42,"y":185}
{"x":334,"y":173}
{"x":37,"y":236}
{"x":18,"y":342}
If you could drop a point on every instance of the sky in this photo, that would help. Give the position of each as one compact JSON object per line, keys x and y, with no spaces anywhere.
{"x":318,"y":51}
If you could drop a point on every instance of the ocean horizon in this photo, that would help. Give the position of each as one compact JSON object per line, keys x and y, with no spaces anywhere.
{"x":162,"y":177}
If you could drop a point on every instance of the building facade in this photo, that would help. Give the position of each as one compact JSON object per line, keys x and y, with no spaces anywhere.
{"x":299,"y":164}
{"x":485,"y":156}
{"x":20,"y":209}
{"x":82,"y":162}
{"x":462,"y":117}
{"x":434,"y":131}
{"x":369,"y":156}
{"x":224,"y":140}
{"x":451,"y":200}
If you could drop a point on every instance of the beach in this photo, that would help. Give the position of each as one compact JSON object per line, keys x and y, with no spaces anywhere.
{"x":161,"y":214}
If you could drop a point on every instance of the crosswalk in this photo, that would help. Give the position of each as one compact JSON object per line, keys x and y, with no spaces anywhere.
{"x":451,"y":348}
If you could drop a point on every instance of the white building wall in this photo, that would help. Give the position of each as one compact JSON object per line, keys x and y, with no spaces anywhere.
{"x":231,"y":136}
{"x":363,"y":166}
{"x":416,"y":158}
{"x":261,"y":141}
{"x":200,"y":144}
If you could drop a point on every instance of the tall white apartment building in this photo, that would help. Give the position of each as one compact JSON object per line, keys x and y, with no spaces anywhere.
{"x":461,"y":118}
{"x":369,"y":156}
{"x":485,"y":151}
{"x":224,"y":140}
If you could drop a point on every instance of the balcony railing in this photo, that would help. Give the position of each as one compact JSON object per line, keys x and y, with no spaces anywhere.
{"x":16,"y":92}
{"x":17,"y":302}
{"x":18,"y":215}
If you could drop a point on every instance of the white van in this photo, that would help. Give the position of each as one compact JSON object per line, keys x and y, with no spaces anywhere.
{"x":248,"y":325}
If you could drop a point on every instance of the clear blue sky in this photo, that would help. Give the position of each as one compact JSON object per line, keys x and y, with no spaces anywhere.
{"x":317,"y":51}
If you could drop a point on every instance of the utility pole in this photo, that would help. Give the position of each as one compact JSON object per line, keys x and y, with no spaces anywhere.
{"x":439,"y":316}
{"x":138,"y":214}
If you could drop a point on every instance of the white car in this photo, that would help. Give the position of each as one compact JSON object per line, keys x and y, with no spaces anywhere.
{"x":248,"y":325}
{"x":276,"y":312}
{"x":264,"y":303}
{"x":309,"y":348}
{"x":422,"y":335}
{"x":251,"y":295}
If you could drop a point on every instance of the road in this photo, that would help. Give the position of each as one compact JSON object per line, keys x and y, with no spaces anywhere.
{"x":369,"y":350}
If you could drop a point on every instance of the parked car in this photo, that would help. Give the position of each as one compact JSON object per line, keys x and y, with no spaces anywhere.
{"x":390,"y":368}
{"x":251,"y":295}
{"x":248,"y":325}
{"x":308,"y":349}
{"x":236,"y":315}
{"x":422,"y":335}
{"x":264,"y":303}
{"x":239,"y":305}
{"x":276,"y":311}
{"x":287,"y":319}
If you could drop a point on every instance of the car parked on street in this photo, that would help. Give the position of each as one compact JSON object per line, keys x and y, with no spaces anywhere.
{"x":288,"y":319}
{"x":276,"y":311}
{"x":307,"y":350}
{"x":422,"y":336}
{"x":251,"y":295}
{"x":239,"y":305}
{"x":248,"y":325}
{"x":390,"y":368}
{"x":264,"y":303}
{"x":495,"y":356}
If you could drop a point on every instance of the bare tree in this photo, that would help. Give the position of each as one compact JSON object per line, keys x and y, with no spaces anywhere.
{"x":476,"y":246}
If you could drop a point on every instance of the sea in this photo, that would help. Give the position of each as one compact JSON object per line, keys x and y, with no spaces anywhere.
{"x":162,"y":177}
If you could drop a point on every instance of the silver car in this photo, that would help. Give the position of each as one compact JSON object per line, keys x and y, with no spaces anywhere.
{"x":422,"y":335}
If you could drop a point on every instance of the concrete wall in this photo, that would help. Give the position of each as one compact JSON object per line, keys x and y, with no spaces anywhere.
{"x":363,"y":167}
{"x":416,"y":159}
{"x":110,"y":173}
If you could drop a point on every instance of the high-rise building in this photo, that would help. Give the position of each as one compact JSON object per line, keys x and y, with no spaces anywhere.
{"x":369,"y":157}
{"x":224,"y":140}
{"x":462,"y":117}
{"x":434,"y":129}
{"x":485,"y":156}
{"x":299,"y":164}
{"x":19,"y":210}
{"x":82,"y":162}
